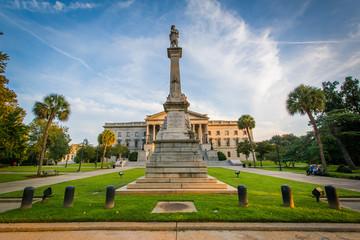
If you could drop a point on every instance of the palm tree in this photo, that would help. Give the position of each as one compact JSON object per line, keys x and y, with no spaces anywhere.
{"x":308,"y":100}
{"x":53,"y":106}
{"x":247,"y":122}
{"x":107,"y":137}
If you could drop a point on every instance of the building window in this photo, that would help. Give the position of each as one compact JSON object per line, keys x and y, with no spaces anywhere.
{"x":136,"y":143}
{"x":119,"y":134}
{"x":209,"y":133}
{"x":237,"y":141}
{"x":235,"y":132}
{"x":228,"y":142}
{"x":219,"y":142}
{"x":244,"y":132}
{"x":119,"y":141}
{"x":144,"y":134}
{"x":136,"y":134}
{"x":217,"y":132}
{"x":226,"y":133}
{"x":127,"y":143}
{"x":229,"y":154}
{"x":128,"y":134}
{"x":238,"y":154}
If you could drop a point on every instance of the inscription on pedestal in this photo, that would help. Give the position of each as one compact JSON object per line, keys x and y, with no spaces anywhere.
{"x":175,"y":120}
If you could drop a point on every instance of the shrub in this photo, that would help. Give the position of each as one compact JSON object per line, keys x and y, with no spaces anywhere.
{"x":133,"y":156}
{"x":221,"y":156}
{"x":344,"y":169}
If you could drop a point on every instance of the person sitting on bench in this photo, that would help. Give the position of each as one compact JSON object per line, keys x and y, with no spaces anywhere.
{"x":310,"y":170}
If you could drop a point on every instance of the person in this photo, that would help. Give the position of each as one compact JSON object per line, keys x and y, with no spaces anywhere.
{"x":310,"y":170}
{"x":316,"y":170}
{"x":174,"y":35}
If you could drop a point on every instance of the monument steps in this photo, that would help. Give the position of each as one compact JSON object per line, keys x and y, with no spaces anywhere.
{"x":176,"y":165}
{"x":176,"y":175}
{"x":177,"y":180}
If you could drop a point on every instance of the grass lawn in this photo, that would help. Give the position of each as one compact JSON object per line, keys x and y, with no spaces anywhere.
{"x":264,"y":194}
{"x":331,"y":170}
{"x":12,"y":177}
{"x":85,"y":167}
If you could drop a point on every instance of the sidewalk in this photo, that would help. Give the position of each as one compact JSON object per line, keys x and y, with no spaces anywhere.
{"x":39,"y":182}
{"x":179,"y":230}
{"x":348,"y":184}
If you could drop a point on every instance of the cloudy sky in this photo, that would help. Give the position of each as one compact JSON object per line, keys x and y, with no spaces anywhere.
{"x":109,"y":59}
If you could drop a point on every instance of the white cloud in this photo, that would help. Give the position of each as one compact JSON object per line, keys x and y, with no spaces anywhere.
{"x":48,"y":7}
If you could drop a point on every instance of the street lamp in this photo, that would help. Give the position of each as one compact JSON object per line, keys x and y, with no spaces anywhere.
{"x":277,"y":151}
{"x":85,"y":142}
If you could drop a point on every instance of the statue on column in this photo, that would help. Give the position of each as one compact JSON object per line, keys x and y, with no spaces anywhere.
{"x":174,"y":35}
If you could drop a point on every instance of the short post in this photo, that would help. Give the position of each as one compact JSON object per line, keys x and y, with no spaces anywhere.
{"x":121,"y":174}
{"x":287,"y":196}
{"x":27,"y":198}
{"x":110,"y":197}
{"x":242,"y":194}
{"x":318,"y":193}
{"x":332,"y":197}
{"x":237,"y":173}
{"x":69,"y":196}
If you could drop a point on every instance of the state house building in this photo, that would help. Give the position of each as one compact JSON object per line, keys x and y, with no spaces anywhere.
{"x":224,"y":135}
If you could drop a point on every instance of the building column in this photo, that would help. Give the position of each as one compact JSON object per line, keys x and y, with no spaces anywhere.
{"x":147,"y":134}
{"x":200,"y":134}
{"x":153,"y":132}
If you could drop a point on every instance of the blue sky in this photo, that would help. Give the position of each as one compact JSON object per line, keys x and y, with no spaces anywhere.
{"x":108,"y":58}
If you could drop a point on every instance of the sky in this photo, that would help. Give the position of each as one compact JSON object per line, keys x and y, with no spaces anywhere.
{"x":109,"y":58}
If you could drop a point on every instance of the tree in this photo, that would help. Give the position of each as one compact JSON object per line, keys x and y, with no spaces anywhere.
{"x":344,"y":126}
{"x":264,"y":148}
{"x":247,"y":122}
{"x":59,"y":145}
{"x":89,"y":154}
{"x":118,"y":150}
{"x":53,"y":106}
{"x":107,"y":137}
{"x":13,"y":132}
{"x":245,"y":148}
{"x":351,"y":91}
{"x":308,"y":100}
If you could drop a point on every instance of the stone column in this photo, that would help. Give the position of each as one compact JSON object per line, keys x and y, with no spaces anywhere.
{"x":147,"y":134}
{"x":200,"y":133}
{"x":154,"y":132}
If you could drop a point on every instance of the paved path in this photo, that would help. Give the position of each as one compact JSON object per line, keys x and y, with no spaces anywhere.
{"x":179,"y":231}
{"x":349,"y":184}
{"x":40,"y":182}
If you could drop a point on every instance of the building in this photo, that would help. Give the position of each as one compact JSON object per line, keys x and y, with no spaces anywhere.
{"x":223,"y":135}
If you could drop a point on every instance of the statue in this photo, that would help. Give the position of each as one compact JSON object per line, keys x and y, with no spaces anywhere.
{"x":174,"y":35}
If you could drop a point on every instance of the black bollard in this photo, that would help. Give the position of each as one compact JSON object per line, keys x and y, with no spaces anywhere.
{"x":69,"y":196}
{"x":332,"y":197}
{"x":27,"y":198}
{"x":287,"y":196}
{"x":242,"y":194}
{"x":110,"y":197}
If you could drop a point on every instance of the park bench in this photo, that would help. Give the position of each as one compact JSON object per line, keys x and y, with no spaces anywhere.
{"x":46,"y":172}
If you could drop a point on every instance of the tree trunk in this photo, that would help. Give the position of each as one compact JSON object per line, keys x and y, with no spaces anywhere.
{"x":43,"y":147}
{"x":251,"y":144}
{"x":347,"y":157}
{"x":102,"y":159}
{"x":317,"y":136}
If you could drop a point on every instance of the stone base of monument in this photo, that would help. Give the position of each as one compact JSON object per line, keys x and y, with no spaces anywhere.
{"x":176,"y":167}
{"x":208,"y":185}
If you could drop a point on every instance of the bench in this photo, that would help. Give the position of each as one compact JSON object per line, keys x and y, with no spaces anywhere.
{"x":46,"y":172}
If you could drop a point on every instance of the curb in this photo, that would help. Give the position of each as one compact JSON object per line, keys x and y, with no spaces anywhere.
{"x":179,"y":226}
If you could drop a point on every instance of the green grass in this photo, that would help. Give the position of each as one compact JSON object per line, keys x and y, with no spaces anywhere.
{"x":12,"y":177}
{"x":263,"y":193}
{"x":331,"y":171}
{"x":264,"y":196}
{"x":85,"y":167}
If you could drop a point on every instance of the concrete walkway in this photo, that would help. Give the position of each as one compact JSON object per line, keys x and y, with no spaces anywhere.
{"x":40,"y":182}
{"x":348,"y":184}
{"x":179,"y":230}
